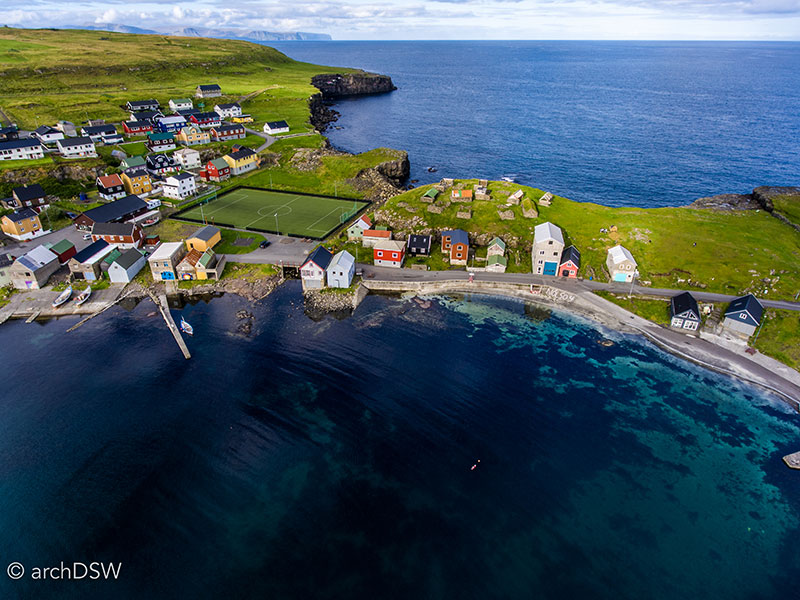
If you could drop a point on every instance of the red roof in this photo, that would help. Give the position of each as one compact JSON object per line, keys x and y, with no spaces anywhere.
{"x":378,"y":233}
{"x":108,"y":181}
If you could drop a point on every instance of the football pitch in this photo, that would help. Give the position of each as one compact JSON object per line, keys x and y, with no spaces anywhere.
{"x":285,"y":213}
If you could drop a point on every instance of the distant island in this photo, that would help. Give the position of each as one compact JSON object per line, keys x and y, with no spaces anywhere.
{"x":255,"y":35}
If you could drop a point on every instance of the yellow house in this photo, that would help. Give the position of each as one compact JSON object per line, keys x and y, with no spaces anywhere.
{"x":137,"y":181}
{"x":23,"y":224}
{"x":242,"y":119}
{"x":241,"y":161}
{"x":203,"y":239}
{"x":192,"y":135}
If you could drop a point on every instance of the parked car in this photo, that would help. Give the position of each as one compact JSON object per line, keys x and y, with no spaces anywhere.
{"x":87,"y":236}
{"x":264,"y":244}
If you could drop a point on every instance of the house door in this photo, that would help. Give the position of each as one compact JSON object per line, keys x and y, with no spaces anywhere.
{"x":619,"y":276}
{"x":565,"y":273}
{"x":167,"y":275}
{"x":550,"y":268}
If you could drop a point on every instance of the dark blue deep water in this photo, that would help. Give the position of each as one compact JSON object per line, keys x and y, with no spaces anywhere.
{"x":331,"y":459}
{"x":618,"y":123}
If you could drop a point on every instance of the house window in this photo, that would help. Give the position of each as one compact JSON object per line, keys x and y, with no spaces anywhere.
{"x":550,"y":242}
{"x":555,"y":253}
{"x":541,"y":252}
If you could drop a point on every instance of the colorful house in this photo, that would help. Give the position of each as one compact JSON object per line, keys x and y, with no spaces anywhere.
{"x":126,"y":266}
{"x":389,"y":253}
{"x":570,"y":262}
{"x":187,"y":158}
{"x":64,"y":250}
{"x":87,"y":264}
{"x":684,"y":312}
{"x":122,"y":235}
{"x":356,"y":230}
{"x":165,"y":259}
{"x":110,"y":187}
{"x":192,"y":135}
{"x":118,"y":211}
{"x":241,"y":161}
{"x":312,"y":271}
{"x":743,"y":316}
{"x":27,"y":196}
{"x":431,"y":194}
{"x":32,"y":270}
{"x":341,"y":269}
{"x":204,"y":238}
{"x":621,"y":265}
{"x":131,"y":162}
{"x":186,"y":269}
{"x":137,"y":181}
{"x":171,"y":124}
{"x":419,"y":245}
{"x":216,"y":170}
{"x":548,"y":244}
{"x":496,"y":263}
{"x":220,"y":133}
{"x":275,"y":127}
{"x":455,"y":245}
{"x":161,"y":142}
{"x":497,"y":247}
{"x":205,"y":120}
{"x":160,"y":164}
{"x":23,"y":224}
{"x":461,"y":195}
{"x":137,"y":127}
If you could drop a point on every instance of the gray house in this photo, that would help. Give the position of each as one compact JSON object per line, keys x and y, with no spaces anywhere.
{"x":340,"y":270}
{"x":684,"y":312}
{"x":743,"y":316}
{"x":126,"y":266}
{"x":548,"y":243}
{"x":32,"y":270}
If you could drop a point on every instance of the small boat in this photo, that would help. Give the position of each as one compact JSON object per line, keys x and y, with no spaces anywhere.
{"x":186,"y":328}
{"x":151,"y":221}
{"x":83,"y":296}
{"x":508,"y":178}
{"x":432,"y":169}
{"x":62,"y":297}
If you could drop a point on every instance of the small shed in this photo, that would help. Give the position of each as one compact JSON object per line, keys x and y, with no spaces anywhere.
{"x":126,"y":266}
{"x":340,"y":270}
{"x":497,"y":263}
{"x":743,"y":315}
{"x":64,"y":250}
{"x":204,"y":238}
{"x":419,"y":245}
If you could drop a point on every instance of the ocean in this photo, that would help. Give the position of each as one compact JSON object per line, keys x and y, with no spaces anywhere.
{"x":332,"y":458}
{"x":617,"y":123}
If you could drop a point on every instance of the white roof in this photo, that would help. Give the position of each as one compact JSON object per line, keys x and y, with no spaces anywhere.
{"x":186,"y":152}
{"x":40,"y":256}
{"x":174,"y":119}
{"x":342,"y":259}
{"x":547,"y":231}
{"x":395,"y":245}
{"x":620,"y":254}
{"x":165,"y":250}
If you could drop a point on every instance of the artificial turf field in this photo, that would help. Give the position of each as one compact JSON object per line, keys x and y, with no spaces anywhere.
{"x":251,"y":208}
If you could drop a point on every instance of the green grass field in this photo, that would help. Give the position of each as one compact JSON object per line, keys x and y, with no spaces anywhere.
{"x":304,"y":216}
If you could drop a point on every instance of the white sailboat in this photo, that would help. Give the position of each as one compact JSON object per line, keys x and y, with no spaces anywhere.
{"x":186,"y":328}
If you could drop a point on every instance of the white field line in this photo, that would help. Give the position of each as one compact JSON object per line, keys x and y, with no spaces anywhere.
{"x":211,"y":212}
{"x":311,"y":227}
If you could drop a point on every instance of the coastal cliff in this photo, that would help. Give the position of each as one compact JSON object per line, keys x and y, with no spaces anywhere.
{"x":760,"y":199}
{"x":335,"y":86}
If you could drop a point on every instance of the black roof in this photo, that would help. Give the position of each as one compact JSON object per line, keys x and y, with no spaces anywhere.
{"x":241,"y":153}
{"x":44,"y":129}
{"x":26,"y":143}
{"x":749,"y":304}
{"x":143,"y":102}
{"x":186,"y":112}
{"x":321,"y":257}
{"x":100,"y":129}
{"x":571,"y":254}
{"x":23,"y":213}
{"x":128,"y":258}
{"x":205,"y":115}
{"x":419,"y":241}
{"x":159,"y":161}
{"x":229,"y":127}
{"x":29,"y":192}
{"x":138,"y":123}
{"x":209,"y":87}
{"x":277,"y":124}
{"x":117,"y":209}
{"x":113,"y":228}
{"x":147,"y":115}
{"x":683,"y":302}
{"x":79,"y":141}
{"x":90,"y":250}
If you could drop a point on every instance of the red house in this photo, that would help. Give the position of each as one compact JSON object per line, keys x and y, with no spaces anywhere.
{"x":216,"y":170}
{"x":455,"y":242}
{"x":137,"y":127}
{"x":227,"y":132}
{"x":204,"y":120}
{"x":64,"y":250}
{"x":570,"y":262}
{"x":389,"y":253}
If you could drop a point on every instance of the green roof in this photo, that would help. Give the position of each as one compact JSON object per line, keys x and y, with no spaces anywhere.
{"x":112,"y":256}
{"x":497,"y":259}
{"x":381,"y":228}
{"x":498,"y":242}
{"x":62,"y":246}
{"x":133,"y":161}
{"x":219,"y":163}
{"x":431,"y":193}
{"x":206,"y":258}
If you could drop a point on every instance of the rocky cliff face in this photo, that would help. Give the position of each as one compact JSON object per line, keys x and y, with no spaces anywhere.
{"x":336,"y":86}
{"x":761,"y":198}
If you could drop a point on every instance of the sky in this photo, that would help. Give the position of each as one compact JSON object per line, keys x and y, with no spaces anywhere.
{"x":440,"y":19}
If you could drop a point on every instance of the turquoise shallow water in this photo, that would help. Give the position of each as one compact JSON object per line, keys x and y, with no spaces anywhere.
{"x":331,"y":459}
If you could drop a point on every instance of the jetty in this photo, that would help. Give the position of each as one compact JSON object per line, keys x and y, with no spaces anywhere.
{"x":792,"y":460}
{"x":163,"y":306}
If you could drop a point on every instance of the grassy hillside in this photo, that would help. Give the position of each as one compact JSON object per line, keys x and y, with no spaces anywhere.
{"x":75,"y":75}
{"x":729,"y":252}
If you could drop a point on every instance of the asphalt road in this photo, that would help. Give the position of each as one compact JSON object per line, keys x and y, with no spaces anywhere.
{"x":573,"y":285}
{"x":69,"y":232}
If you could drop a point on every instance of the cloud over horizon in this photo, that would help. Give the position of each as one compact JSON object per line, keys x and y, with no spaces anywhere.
{"x":438,"y":19}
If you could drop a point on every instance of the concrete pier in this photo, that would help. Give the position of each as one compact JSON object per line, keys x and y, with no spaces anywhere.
{"x":163,"y":306}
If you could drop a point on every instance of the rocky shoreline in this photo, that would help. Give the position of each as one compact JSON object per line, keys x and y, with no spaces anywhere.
{"x":759,"y":199}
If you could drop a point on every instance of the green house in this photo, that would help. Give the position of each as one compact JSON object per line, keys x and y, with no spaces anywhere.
{"x":431,"y":193}
{"x":497,"y":263}
{"x":131,"y":162}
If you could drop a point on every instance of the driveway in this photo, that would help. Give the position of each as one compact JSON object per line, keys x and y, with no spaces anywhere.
{"x":281,"y":249}
{"x":16,"y":249}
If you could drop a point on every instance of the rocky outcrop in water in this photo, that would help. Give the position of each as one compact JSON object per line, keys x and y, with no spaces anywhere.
{"x":765,"y":193}
{"x":334,"y":86}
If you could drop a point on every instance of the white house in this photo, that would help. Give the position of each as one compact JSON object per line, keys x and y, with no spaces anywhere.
{"x":273,"y":127}
{"x":548,"y":243}
{"x":176,"y":104}
{"x":98,"y":132}
{"x":82,"y":147}
{"x":621,"y":265}
{"x":187,"y":158}
{"x":126,"y":266}
{"x":47,"y":134}
{"x":341,"y":269}
{"x":226,"y":111}
{"x":312,"y":271}
{"x":21,"y":150}
{"x":179,"y":186}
